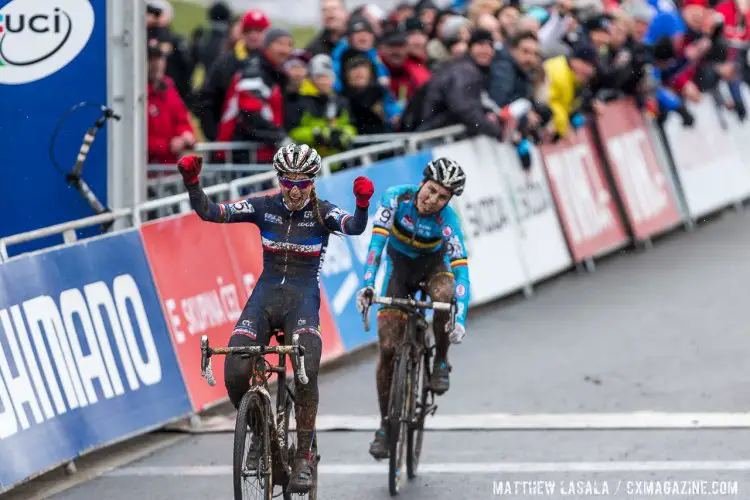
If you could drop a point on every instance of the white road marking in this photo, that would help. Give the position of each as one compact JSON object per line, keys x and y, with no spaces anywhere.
{"x":506,"y":421}
{"x":552,"y":421}
{"x":457,"y":468}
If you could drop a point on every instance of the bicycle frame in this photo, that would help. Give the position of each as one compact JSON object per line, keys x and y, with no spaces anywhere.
{"x":260,"y":377}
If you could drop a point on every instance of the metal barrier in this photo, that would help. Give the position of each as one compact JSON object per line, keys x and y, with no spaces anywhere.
{"x":177,"y":201}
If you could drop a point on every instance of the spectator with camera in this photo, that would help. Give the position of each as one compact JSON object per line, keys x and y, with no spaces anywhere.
{"x":261,"y":87}
{"x":213,"y":106}
{"x":458,"y":91}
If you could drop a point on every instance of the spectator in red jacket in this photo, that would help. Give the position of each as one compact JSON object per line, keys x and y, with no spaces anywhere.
{"x":407,"y":76}
{"x":169,"y":130}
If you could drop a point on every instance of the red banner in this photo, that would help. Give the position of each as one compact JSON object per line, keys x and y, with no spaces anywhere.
{"x":205,"y":273}
{"x":583,"y":197}
{"x":200,"y":293}
{"x":639,"y":178}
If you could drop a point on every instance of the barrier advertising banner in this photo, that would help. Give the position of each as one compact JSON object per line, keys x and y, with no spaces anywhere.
{"x":85,"y":355}
{"x":583,"y":197}
{"x":639,"y":177}
{"x":543,"y":246}
{"x":345,"y":258}
{"x":708,"y":163}
{"x":53,"y":56}
{"x":487,"y":219}
{"x":200,"y":293}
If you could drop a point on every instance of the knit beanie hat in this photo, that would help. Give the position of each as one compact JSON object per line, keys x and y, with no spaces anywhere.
{"x":274,"y":34}
{"x":321,"y":65}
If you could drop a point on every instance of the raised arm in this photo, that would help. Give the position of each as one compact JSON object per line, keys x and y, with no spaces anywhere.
{"x":339,"y":220}
{"x":242,"y":211}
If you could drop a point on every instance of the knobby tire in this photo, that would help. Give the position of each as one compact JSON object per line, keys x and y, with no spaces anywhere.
{"x":253,"y":410}
{"x":420,"y":401}
{"x":398,"y":419}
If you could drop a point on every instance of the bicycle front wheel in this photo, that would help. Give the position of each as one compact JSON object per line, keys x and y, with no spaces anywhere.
{"x":398,"y":419}
{"x":252,"y":470}
{"x":420,"y":408}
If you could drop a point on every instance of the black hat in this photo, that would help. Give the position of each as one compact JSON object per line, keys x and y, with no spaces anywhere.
{"x":394,"y":37}
{"x":359,"y":23}
{"x":585,"y":53}
{"x":220,"y":12}
{"x":413,"y":24}
{"x":480,"y":36}
{"x":600,"y":22}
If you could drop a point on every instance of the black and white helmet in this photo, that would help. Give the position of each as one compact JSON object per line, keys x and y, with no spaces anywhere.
{"x":297,"y":159}
{"x":448,"y":173}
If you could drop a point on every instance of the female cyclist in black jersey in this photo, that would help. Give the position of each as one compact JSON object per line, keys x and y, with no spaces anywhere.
{"x":295,"y":226}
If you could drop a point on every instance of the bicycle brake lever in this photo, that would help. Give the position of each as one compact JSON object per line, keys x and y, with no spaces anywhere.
{"x":301,"y":374}
{"x":210,"y":374}
{"x":206,"y":368}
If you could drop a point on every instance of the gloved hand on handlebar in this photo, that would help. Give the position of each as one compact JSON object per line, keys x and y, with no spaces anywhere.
{"x":364,"y":298}
{"x":190,"y":168}
{"x":457,"y":334}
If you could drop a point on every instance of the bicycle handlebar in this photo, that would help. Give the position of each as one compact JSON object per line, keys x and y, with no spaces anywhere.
{"x":256,"y":350}
{"x":408,"y":303}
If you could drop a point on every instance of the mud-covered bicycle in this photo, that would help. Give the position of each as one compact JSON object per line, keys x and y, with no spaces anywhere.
{"x":411,"y":400}
{"x":263,"y":450}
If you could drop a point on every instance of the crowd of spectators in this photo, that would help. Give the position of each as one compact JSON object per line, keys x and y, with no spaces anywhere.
{"x":510,"y":71}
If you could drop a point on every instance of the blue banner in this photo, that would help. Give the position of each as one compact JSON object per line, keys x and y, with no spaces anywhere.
{"x":53,"y":55}
{"x":85,"y":354}
{"x":343,"y":268}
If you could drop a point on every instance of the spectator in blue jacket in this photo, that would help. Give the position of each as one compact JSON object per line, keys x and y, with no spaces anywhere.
{"x":360,"y":41}
{"x":373,"y":107}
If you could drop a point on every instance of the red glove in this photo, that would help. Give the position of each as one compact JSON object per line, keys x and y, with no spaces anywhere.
{"x":363,"y":190}
{"x":190,"y":168}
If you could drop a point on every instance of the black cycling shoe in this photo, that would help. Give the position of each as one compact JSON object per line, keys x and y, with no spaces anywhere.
{"x":440,"y":381}
{"x":302,"y":475}
{"x":379,"y":445}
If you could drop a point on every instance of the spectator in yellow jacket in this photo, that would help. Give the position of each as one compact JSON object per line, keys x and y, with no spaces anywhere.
{"x":324,"y":122}
{"x":566,"y":76}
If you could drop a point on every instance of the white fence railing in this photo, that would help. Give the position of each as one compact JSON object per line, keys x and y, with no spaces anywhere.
{"x":177,"y":201}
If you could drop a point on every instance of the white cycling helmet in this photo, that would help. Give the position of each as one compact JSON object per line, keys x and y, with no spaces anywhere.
{"x":297,"y":159}
{"x":448,"y":173}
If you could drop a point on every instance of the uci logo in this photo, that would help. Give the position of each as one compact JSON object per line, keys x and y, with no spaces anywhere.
{"x":40,"y":37}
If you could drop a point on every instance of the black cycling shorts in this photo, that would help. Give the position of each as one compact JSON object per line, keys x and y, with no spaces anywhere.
{"x":290,"y":308}
{"x":404,"y":274}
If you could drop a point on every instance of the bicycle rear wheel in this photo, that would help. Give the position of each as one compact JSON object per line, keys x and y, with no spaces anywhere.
{"x":252,"y":471}
{"x":398,"y":419}
{"x":421,"y":405}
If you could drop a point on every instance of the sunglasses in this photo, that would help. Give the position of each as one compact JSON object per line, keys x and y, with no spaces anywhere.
{"x":302,"y":183}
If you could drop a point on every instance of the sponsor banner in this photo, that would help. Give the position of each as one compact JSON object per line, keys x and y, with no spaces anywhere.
{"x":345,"y":258}
{"x":487,"y":220}
{"x":583,"y":197}
{"x":200,"y":291}
{"x":640,"y":179}
{"x":543,"y":246}
{"x":53,"y":55}
{"x":708,"y":163}
{"x":85,"y":355}
{"x":205,"y":273}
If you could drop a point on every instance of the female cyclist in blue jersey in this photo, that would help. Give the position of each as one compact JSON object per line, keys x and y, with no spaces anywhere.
{"x":294,"y":226}
{"x":424,"y":243}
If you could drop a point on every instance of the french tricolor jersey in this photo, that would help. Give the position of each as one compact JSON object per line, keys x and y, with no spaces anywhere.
{"x":398,"y":224}
{"x":294,"y":243}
